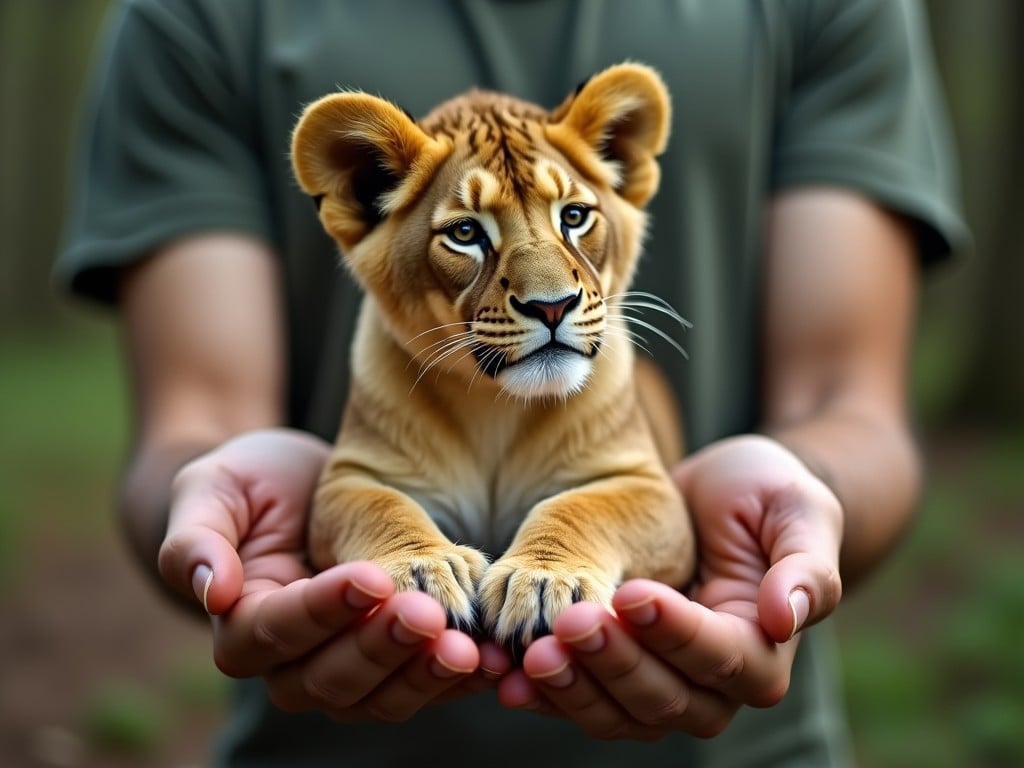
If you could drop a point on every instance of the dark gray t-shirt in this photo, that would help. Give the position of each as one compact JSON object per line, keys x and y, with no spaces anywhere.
{"x":188,"y":130}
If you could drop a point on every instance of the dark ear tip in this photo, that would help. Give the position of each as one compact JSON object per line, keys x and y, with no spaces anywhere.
{"x":582,"y":85}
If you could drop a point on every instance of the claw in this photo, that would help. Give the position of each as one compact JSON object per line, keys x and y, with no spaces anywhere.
{"x":467,"y":624}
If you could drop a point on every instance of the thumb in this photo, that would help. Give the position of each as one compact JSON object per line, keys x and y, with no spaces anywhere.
{"x":797,"y":591}
{"x":204,"y":563}
{"x":802,"y":585}
{"x":199,"y":555}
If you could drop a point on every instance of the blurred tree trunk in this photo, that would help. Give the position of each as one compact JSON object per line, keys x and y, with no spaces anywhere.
{"x":972,"y":309}
{"x":44,"y":49}
{"x":994,"y":389}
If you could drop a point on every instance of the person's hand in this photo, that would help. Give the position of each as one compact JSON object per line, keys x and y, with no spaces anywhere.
{"x":341,"y":641}
{"x":768,"y":535}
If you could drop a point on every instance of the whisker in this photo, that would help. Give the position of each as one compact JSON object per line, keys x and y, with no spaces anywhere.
{"x":444,"y":350}
{"x":429,"y":350}
{"x":436,"y":358}
{"x":632,"y":337}
{"x":472,"y":351}
{"x":492,"y":354}
{"x":469,"y":323}
{"x":648,"y":301}
{"x":656,"y":330}
{"x":632,"y":303}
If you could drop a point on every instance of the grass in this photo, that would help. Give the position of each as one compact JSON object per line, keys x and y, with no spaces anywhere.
{"x":124,"y":717}
{"x":932,"y":648}
{"x":62,"y":408}
{"x":64,"y":412}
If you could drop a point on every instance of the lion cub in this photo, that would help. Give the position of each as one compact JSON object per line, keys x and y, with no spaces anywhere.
{"x":494,"y":404}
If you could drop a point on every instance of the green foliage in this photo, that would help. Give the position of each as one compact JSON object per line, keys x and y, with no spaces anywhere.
{"x":197,"y":686}
{"x":122,"y":717}
{"x":62,"y":407}
{"x":932,"y":658}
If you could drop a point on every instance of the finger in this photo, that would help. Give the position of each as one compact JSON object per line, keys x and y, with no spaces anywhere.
{"x":349,"y":667}
{"x":714,"y":649}
{"x":517,"y":691}
{"x":493,"y":665}
{"x":451,"y":660}
{"x":549,"y":666}
{"x":495,"y":661}
{"x":277,"y":625}
{"x":641,"y":683}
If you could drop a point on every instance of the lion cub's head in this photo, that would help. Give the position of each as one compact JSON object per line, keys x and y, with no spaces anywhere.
{"x":491,"y":233}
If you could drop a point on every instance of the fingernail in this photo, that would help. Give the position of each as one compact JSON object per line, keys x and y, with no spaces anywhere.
{"x":559,"y":678}
{"x":445,"y":671}
{"x":640,"y":614}
{"x":590,"y":641}
{"x":202,"y":578}
{"x":405,"y":634}
{"x":359,"y":597}
{"x":490,"y":674}
{"x":800,"y":605}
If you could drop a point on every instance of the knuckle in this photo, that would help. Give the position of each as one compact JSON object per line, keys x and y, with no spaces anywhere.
{"x":667,"y":711}
{"x":832,"y":587}
{"x":729,"y":668}
{"x":375,"y":659}
{"x":624,"y":666}
{"x":326,"y":696}
{"x":269,"y":640}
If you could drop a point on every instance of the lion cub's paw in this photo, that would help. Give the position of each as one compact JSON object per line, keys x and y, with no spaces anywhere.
{"x":448,"y":573}
{"x":519,"y":597}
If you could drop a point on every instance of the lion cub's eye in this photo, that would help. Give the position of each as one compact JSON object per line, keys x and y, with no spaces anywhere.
{"x":466,"y":232}
{"x":575,"y":215}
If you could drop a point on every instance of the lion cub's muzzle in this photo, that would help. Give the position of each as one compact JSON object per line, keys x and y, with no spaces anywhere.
{"x":542,"y":346}
{"x":551,"y":313}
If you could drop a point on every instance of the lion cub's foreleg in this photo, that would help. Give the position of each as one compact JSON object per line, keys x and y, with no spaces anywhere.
{"x":355,"y":517}
{"x":579,"y":546}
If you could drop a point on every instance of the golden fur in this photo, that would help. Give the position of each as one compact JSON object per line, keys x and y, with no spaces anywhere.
{"x":494,"y":400}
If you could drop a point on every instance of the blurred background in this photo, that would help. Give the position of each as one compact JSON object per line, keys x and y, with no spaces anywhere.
{"x":95,"y":670}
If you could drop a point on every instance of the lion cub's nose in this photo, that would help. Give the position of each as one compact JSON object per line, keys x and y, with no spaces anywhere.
{"x":551,"y":313}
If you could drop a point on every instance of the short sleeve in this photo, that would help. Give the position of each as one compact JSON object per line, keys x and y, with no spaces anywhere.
{"x":169,"y":145}
{"x":865,"y":110}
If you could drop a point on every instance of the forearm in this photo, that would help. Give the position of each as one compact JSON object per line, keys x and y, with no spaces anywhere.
{"x":841,"y":280}
{"x":204,"y":367}
{"x":870,"y":461}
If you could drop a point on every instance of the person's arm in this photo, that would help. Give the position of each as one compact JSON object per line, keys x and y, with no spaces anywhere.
{"x":841,"y":280}
{"x":839,"y":293}
{"x":202,"y":330}
{"x":216,"y":499}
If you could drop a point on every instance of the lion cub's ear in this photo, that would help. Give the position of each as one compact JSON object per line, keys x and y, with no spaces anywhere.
{"x":620,"y":120}
{"x":361,"y":158}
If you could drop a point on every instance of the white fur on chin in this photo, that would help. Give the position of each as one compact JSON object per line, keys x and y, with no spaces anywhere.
{"x":551,"y":373}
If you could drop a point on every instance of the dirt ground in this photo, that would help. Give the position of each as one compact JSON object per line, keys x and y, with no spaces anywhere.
{"x":97,"y":670}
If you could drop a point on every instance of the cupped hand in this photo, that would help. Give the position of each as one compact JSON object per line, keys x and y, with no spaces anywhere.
{"x":341,"y":641}
{"x":768,"y":533}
